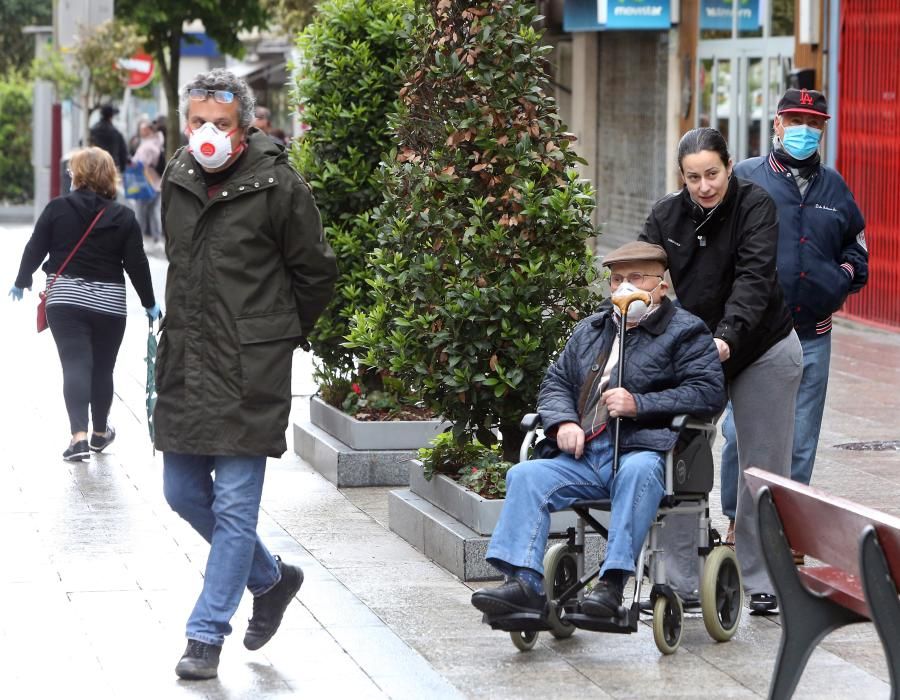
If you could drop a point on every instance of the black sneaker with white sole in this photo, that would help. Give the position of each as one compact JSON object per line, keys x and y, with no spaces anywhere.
{"x":77,"y":451}
{"x":101,"y":442}
{"x":763,"y":604}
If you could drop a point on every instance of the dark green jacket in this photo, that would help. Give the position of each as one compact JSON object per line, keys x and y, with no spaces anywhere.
{"x":249,"y":273}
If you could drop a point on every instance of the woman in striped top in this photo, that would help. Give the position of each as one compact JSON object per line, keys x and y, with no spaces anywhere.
{"x":86,"y":303}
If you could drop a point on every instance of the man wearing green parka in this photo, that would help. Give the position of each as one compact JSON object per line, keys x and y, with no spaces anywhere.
{"x":249,"y":273}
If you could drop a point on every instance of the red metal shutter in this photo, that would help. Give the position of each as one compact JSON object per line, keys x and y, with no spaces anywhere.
{"x":869,"y":146}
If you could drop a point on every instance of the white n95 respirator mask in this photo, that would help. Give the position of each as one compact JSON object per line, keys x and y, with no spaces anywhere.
{"x":211,"y":147}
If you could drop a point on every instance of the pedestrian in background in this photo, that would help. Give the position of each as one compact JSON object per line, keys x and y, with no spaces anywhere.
{"x":721,"y":236}
{"x":86,"y":303}
{"x":249,"y":274}
{"x":263,"y":122}
{"x":148,"y":153}
{"x":822,"y":258}
{"x":106,"y":136}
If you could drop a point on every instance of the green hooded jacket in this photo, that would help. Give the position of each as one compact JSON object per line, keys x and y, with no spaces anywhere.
{"x":250,"y":271}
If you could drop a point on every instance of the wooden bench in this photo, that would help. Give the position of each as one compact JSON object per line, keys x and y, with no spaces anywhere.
{"x":859,"y":549}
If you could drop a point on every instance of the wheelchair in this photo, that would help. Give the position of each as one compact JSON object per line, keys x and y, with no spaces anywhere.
{"x":688,"y":481}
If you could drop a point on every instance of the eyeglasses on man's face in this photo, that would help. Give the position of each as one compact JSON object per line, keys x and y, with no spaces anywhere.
{"x":221,"y":96}
{"x":635,"y":278}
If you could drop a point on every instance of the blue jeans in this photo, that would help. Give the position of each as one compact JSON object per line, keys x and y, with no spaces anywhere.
{"x":219,"y":497}
{"x":538,"y":487}
{"x":807,"y":422}
{"x":810,"y":405}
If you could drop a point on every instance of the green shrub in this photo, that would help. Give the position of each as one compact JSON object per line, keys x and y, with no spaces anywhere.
{"x":482,"y":268}
{"x":353,"y":58}
{"x":16,"y":172}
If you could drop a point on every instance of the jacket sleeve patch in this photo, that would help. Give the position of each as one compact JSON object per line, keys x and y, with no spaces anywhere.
{"x":861,"y":240}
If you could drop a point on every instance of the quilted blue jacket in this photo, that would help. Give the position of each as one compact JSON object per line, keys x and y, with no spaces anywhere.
{"x":671,"y":367}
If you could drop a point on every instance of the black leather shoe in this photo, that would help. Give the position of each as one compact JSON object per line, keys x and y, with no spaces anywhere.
{"x":77,"y":451}
{"x":101,"y":442}
{"x":605,"y":600}
{"x":199,"y":662}
{"x":268,"y":608}
{"x":513,"y":596}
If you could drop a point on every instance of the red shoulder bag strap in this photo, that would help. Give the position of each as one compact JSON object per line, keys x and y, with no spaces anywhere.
{"x":75,"y":249}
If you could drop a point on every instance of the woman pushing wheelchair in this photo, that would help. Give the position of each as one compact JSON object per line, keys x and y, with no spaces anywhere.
{"x":670,"y":366}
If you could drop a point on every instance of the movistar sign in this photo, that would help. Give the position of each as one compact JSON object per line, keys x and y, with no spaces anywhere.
{"x":598,"y":15}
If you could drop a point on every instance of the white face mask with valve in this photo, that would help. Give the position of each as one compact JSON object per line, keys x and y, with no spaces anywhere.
{"x":638,"y":310}
{"x":211,"y":147}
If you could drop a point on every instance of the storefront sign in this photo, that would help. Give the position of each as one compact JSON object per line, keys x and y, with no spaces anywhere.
{"x":718,"y":14}
{"x":599,"y":15}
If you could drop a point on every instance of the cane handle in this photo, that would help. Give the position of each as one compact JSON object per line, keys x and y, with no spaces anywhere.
{"x":623,"y":302}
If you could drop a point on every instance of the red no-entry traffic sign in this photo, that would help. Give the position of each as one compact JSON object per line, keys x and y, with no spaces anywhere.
{"x":141,"y":69}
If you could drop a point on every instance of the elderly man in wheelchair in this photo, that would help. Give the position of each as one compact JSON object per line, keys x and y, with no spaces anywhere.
{"x":670,"y":367}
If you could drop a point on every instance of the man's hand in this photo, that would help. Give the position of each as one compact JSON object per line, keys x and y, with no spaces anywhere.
{"x":723,"y":348}
{"x":15,"y":293}
{"x":619,"y":402}
{"x":570,"y":439}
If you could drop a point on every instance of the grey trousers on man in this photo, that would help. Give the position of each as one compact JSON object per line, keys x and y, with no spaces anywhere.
{"x":763,"y":397}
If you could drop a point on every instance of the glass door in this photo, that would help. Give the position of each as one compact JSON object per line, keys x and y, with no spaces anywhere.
{"x":738,"y":88}
{"x":744,"y":55}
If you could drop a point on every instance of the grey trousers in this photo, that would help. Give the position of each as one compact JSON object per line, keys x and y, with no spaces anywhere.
{"x":763,"y":397}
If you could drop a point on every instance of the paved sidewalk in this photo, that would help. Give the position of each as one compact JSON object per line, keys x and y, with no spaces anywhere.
{"x":99,"y":575}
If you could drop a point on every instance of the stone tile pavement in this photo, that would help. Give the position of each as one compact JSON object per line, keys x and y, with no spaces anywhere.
{"x":98,"y":575}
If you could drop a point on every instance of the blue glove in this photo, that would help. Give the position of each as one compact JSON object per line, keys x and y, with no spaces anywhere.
{"x":15,"y":293}
{"x":152,"y":312}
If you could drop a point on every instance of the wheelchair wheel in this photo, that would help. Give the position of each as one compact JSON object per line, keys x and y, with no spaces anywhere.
{"x":524,"y":640}
{"x":560,"y":573}
{"x":720,"y":594}
{"x":668,"y":624}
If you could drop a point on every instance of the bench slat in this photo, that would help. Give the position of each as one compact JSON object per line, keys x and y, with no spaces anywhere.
{"x":837,"y":585}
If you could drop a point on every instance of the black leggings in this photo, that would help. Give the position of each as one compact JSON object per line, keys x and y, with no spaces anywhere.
{"x":88,"y":342}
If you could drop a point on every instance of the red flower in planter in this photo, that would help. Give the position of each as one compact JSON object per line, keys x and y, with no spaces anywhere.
{"x":356,"y":389}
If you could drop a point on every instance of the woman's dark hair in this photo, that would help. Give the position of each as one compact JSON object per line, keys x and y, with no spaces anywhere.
{"x":702,"y":139}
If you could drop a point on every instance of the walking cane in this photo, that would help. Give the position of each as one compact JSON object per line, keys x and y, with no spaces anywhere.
{"x":623,"y":302}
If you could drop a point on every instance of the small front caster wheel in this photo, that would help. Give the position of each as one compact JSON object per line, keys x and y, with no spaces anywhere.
{"x":668,"y":624}
{"x":525,"y":640}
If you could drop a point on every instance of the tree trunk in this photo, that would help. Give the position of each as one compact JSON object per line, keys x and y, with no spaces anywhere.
{"x":512,"y":441}
{"x":170,"y":74}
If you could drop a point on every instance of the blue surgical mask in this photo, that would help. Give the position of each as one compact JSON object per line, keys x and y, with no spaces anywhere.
{"x":801,"y":141}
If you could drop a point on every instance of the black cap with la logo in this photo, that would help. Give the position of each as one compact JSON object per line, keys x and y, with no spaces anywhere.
{"x":808,"y":101}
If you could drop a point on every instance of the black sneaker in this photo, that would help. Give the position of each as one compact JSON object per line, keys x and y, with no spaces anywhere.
{"x":76,"y":451}
{"x":268,"y":608}
{"x":101,"y":442}
{"x":605,"y":600}
{"x":763,"y":604}
{"x":199,"y":662}
{"x":513,"y":596}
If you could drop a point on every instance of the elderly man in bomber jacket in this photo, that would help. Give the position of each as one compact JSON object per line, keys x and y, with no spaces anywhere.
{"x":671,"y":367}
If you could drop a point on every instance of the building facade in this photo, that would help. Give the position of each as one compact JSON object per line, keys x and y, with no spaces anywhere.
{"x":633,"y":75}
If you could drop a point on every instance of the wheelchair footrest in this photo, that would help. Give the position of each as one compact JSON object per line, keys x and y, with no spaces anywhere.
{"x":517,"y":622}
{"x":624,"y":623}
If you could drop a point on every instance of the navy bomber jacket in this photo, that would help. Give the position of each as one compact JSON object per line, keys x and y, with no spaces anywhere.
{"x":671,"y":367}
{"x":822,"y":254}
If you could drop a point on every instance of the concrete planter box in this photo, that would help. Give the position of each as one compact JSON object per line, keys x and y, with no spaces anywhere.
{"x":373,"y":435}
{"x":475,"y":512}
{"x":448,"y":542}
{"x":343,"y":466}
